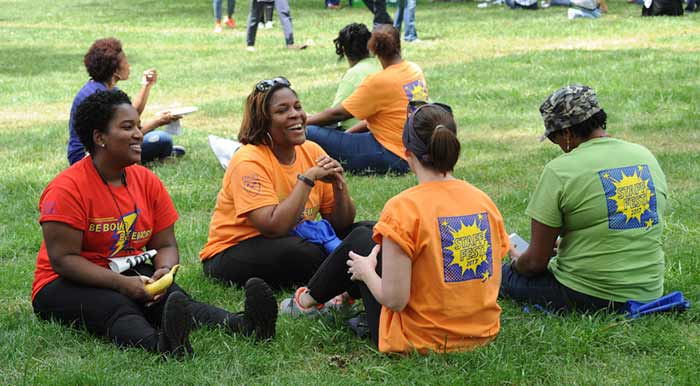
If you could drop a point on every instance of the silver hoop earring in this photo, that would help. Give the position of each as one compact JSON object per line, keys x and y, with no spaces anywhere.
{"x":272,"y":143}
{"x":102,"y":145}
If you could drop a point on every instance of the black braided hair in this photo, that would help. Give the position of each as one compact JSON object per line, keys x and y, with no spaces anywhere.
{"x":352,"y":42}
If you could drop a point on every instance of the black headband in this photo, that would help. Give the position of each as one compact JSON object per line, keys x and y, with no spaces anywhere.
{"x":411,"y":141}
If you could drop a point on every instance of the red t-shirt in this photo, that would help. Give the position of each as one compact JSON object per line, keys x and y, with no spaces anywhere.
{"x":113,"y":224}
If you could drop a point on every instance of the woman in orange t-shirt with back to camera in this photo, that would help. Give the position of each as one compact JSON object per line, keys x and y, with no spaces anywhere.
{"x":380,"y":101}
{"x":442,"y":243}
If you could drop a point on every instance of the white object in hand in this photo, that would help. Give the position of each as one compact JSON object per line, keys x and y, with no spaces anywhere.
{"x":121,"y":264}
{"x":518,"y":243}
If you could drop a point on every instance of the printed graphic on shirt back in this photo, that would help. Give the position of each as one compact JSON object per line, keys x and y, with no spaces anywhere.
{"x":416,"y":91}
{"x":630,"y":196}
{"x":466,"y":247}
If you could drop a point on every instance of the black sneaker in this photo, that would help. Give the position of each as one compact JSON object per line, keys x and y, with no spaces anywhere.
{"x":260,"y":315}
{"x":175,"y":327}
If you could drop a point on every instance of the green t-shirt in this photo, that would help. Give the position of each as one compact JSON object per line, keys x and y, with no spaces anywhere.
{"x":351,"y":80}
{"x":608,"y":197}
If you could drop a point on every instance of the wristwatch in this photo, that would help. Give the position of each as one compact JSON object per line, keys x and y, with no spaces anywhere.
{"x":306,"y":180}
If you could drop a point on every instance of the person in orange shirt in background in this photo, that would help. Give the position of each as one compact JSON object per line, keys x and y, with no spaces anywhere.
{"x":380,"y":100}
{"x":275,"y":180}
{"x":442,"y":243}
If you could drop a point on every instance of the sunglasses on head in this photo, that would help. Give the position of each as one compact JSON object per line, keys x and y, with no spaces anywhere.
{"x":266,"y":84}
{"x":414,"y":106}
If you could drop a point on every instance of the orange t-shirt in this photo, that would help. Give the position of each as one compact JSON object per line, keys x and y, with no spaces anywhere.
{"x":455,"y":237}
{"x":116,"y":224}
{"x":382,"y":99}
{"x":255,"y":179}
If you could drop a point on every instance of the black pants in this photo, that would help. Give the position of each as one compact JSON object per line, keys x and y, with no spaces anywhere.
{"x":281,"y":262}
{"x":332,"y":277}
{"x":378,"y":9}
{"x":108,"y":313}
{"x":544,"y":289}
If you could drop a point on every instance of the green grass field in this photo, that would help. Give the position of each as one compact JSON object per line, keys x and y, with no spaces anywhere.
{"x":493,"y":65}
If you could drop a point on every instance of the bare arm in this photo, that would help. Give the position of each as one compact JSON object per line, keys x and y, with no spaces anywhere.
{"x":150,"y":77}
{"x":158,"y":122}
{"x":535,"y":259}
{"x":166,"y":245}
{"x":63,"y":244}
{"x":359,"y":127}
{"x":343,"y":214}
{"x":329,"y":116}
{"x":277,"y":220}
{"x":393,"y":288}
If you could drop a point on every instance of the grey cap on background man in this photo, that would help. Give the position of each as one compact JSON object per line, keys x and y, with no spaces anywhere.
{"x":568,"y":106}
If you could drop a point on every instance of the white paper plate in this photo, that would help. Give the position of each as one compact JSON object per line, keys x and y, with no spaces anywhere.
{"x":180,"y":110}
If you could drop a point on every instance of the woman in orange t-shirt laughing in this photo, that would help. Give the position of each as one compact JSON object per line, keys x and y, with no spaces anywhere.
{"x":275,"y":180}
{"x":442,"y":243}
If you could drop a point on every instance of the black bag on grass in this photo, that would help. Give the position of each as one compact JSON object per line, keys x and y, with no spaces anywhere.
{"x":662,"y":8}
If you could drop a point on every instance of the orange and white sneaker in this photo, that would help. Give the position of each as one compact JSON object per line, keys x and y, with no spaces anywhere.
{"x":230,"y":23}
{"x":217,"y":28}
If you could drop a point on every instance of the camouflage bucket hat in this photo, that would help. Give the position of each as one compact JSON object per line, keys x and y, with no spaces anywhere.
{"x":568,"y":106}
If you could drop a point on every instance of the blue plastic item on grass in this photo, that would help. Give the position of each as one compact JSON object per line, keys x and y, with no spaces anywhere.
{"x":318,"y":232}
{"x":671,"y":302}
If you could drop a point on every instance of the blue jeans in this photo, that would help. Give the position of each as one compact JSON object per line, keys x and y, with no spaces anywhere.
{"x":544,"y":289}
{"x":406,"y":12}
{"x":231,"y":6}
{"x":156,"y":144}
{"x":359,"y":153}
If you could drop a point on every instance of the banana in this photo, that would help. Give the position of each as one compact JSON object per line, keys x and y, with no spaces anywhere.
{"x":163,"y":283}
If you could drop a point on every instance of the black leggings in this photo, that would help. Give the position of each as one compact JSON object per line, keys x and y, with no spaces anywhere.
{"x":281,"y":262}
{"x":332,"y":278}
{"x":108,"y":313}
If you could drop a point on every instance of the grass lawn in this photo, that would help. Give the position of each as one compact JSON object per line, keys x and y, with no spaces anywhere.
{"x":493,"y":65}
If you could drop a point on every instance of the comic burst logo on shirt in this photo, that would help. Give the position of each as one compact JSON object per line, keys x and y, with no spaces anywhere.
{"x":123,"y":231}
{"x":630,"y":196}
{"x":251,"y":183}
{"x":466,"y":247}
{"x":416,"y":91}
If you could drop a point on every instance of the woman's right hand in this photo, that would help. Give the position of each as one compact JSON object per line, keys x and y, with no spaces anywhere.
{"x":133,"y":287}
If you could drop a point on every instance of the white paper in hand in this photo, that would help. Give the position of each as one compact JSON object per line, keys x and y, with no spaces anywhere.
{"x":518,"y":243}
{"x":121,"y":264}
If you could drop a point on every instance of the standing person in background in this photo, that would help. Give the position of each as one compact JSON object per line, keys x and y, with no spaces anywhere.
{"x":378,"y":9}
{"x":406,"y":14}
{"x":282,"y":6}
{"x":231,"y":8}
{"x":106,"y":64}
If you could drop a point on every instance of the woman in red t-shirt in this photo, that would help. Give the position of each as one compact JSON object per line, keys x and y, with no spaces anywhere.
{"x":107,"y":206}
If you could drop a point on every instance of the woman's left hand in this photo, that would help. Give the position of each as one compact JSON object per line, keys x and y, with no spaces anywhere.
{"x":157,"y":275}
{"x":360,"y":267}
{"x":329,"y":164}
{"x":150,"y":77}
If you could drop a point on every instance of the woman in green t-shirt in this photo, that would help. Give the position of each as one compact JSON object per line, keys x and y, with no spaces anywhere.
{"x":598,"y":208}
